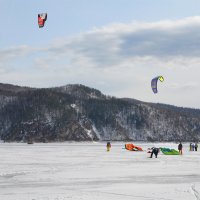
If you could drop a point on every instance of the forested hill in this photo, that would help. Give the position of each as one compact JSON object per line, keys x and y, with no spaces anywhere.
{"x":80,"y":113}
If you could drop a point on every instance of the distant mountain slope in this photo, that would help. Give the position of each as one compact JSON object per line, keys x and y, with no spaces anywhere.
{"x":80,"y":113}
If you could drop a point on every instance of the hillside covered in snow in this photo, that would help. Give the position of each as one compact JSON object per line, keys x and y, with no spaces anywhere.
{"x":80,"y":113}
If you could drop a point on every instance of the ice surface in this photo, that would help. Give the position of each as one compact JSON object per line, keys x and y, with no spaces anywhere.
{"x":86,"y":171}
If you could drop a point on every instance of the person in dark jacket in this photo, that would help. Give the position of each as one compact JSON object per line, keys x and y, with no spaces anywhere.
{"x":154,"y":151}
{"x":180,"y":148}
{"x":196,"y":146}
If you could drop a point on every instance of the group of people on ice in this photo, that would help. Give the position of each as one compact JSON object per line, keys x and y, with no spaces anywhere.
{"x":154,"y":150}
{"x":193,"y":146}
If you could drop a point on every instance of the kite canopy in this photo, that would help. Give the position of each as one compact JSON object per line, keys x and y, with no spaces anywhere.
{"x":168,"y":151}
{"x":154,"y":83}
{"x":41,"y":19}
{"x":132,"y":147}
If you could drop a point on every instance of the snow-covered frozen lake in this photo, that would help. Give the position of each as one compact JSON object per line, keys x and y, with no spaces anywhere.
{"x":85,"y":171}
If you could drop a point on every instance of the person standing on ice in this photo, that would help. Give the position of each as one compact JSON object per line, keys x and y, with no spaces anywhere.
{"x":193,"y":146}
{"x":190,"y":146}
{"x":154,"y":151}
{"x":196,"y":146}
{"x":180,"y":148}
{"x":108,"y":146}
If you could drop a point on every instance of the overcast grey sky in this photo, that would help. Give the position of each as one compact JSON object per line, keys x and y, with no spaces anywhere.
{"x":116,"y":46}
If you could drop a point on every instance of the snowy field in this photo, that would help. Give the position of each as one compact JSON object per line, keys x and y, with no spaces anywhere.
{"x":85,"y":171}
